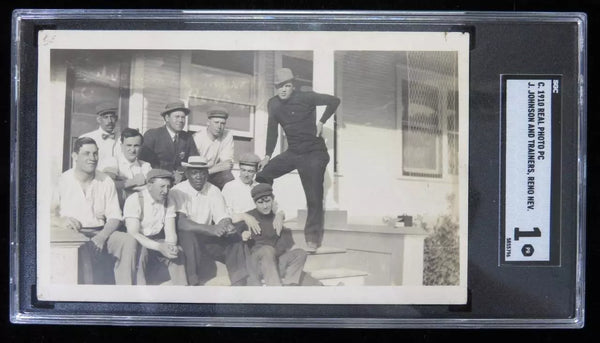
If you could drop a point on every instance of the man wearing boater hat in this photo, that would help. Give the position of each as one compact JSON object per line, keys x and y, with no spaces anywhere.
{"x":216,"y":145}
{"x":204,"y":227}
{"x":167,"y":146}
{"x":105,"y":136}
{"x":295,"y":111}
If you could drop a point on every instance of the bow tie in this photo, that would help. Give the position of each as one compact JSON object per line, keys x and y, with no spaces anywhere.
{"x":108,"y":135}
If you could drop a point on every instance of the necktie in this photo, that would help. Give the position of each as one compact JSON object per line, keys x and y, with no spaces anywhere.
{"x":176,"y":138}
{"x":108,"y":135}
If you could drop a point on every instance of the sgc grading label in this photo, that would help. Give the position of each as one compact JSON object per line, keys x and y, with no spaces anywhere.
{"x":531,"y":114}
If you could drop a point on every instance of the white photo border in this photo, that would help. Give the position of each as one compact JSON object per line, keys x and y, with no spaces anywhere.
{"x":320,"y":42}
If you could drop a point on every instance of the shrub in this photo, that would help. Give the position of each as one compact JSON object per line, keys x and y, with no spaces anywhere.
{"x":441,"y":253}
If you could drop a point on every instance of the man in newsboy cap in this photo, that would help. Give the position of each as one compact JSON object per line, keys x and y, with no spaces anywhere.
{"x":295,"y":111}
{"x":215,"y":143}
{"x":204,"y":227}
{"x":145,"y":218}
{"x":105,"y":136}
{"x":167,"y":146}
{"x":273,"y":256}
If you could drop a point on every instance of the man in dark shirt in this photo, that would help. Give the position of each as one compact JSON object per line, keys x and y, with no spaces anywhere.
{"x":296,"y":113}
{"x":272,"y":258}
{"x":167,"y":146}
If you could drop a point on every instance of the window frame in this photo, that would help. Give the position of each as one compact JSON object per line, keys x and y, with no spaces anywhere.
{"x":186,"y":90}
{"x":444,"y":83}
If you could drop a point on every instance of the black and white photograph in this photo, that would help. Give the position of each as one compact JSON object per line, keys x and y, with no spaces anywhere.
{"x":253,"y":167}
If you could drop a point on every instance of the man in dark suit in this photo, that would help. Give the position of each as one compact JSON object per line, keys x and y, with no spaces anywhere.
{"x":165,"y":147}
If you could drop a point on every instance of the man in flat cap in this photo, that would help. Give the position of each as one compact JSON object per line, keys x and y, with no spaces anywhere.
{"x":216,"y":145}
{"x":145,"y":219}
{"x":105,"y":136}
{"x":295,"y":111}
{"x":237,"y":195}
{"x":273,"y":258}
{"x":165,"y":147}
{"x":86,"y":201}
{"x":204,"y":227}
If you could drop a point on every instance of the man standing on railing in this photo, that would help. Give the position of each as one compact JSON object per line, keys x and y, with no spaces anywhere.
{"x":216,"y":145}
{"x":86,"y":201}
{"x":295,"y":111}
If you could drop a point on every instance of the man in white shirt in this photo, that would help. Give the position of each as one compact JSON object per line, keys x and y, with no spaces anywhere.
{"x":238,"y":199}
{"x":86,"y":201}
{"x":216,"y":145}
{"x":130,"y":174}
{"x":204,"y":226}
{"x":105,"y":136}
{"x":145,"y":219}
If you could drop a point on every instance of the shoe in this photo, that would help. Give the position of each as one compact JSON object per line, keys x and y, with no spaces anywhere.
{"x":311,"y":247}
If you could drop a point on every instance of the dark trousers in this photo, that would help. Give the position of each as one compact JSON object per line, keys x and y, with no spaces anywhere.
{"x":221,"y":178}
{"x":311,"y":167}
{"x":148,"y":267}
{"x":275,"y":270}
{"x":201,"y":251}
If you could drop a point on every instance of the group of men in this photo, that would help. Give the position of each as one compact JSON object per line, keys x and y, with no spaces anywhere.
{"x":170,"y":197}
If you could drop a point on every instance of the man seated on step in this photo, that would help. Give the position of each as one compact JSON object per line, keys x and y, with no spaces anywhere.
{"x":144,"y":214}
{"x":130,"y":172}
{"x":238,"y":199}
{"x":86,"y":201}
{"x":272,"y":258}
{"x":204,"y":227}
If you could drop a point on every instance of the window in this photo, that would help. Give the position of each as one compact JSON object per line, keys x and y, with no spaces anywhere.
{"x":226,"y":79}
{"x":93,"y":77}
{"x":428,"y":114}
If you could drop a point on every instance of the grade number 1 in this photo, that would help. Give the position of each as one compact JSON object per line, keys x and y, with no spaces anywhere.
{"x":534,"y":233}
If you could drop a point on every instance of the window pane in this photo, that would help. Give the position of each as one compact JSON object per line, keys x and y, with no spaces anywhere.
{"x":420,"y":153}
{"x":238,"y":61}
{"x":239,"y":115}
{"x":221,"y":84}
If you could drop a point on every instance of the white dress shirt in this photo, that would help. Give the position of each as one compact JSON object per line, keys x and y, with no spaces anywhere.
{"x":237,"y":196}
{"x":214,"y":150}
{"x":151,"y":217}
{"x":127,"y":170}
{"x":108,"y":148}
{"x":93,"y":207}
{"x":203,"y":207}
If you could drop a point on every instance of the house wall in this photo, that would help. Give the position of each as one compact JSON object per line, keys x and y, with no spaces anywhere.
{"x":369,"y":182}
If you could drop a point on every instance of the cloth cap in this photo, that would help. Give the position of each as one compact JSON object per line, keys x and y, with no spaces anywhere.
{"x":261,"y":190}
{"x":217,"y":112}
{"x":175,"y":106}
{"x":159,"y":174}
{"x":283,"y":75}
{"x":106,"y":107}
{"x":196,"y":162}
{"x":249,"y":159}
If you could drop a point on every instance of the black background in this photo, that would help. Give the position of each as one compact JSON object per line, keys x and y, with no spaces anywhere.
{"x":44,"y":333}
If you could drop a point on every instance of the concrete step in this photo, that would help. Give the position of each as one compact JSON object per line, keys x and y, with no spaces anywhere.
{"x":325,"y":257}
{"x":340,"y":276}
{"x":332,"y":218}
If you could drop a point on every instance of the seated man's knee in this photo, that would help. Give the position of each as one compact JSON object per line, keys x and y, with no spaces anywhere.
{"x":265,"y":252}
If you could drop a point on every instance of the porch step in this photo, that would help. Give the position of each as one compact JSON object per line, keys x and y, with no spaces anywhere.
{"x":324,"y":250}
{"x":340,"y":276}
{"x":218,"y":280}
